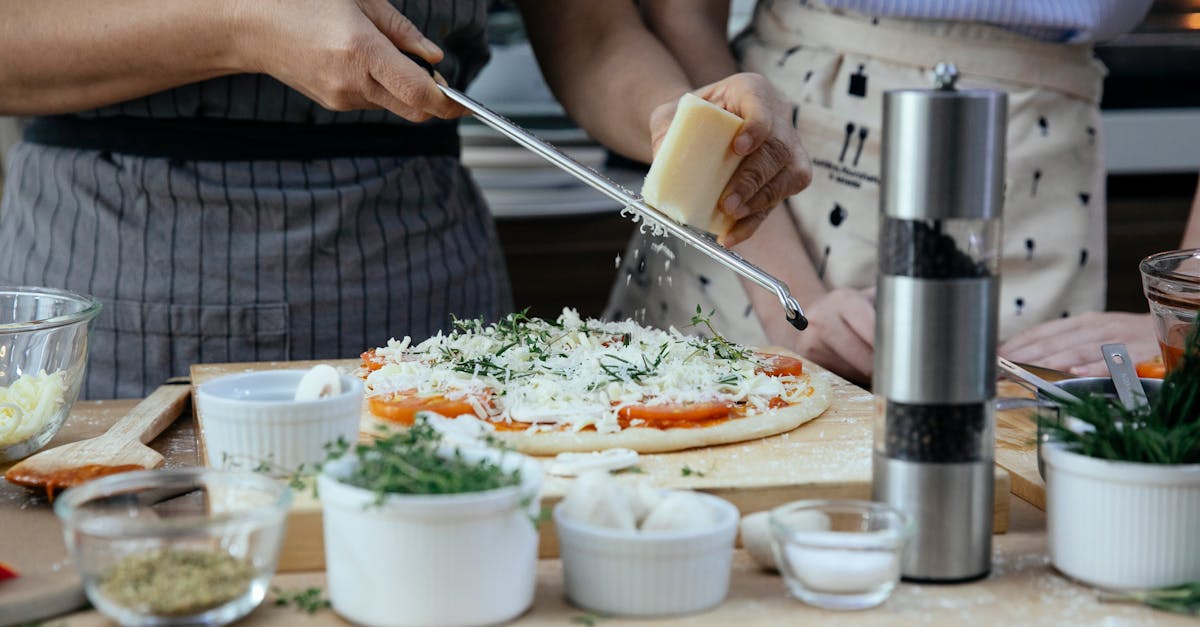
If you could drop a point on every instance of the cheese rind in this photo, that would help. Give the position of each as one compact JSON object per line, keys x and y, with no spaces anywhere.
{"x":694,"y":164}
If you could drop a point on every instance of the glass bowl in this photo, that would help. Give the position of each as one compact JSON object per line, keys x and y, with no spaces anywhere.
{"x":185,"y":546}
{"x":1171,"y":281}
{"x":43,"y":353}
{"x":839,"y":555}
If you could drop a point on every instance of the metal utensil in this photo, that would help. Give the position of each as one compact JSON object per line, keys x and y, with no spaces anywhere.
{"x":651,"y":216}
{"x":1124,"y":376}
{"x":1043,"y":386}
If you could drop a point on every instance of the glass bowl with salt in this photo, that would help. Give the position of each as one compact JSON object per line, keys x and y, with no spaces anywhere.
{"x":839,"y":555}
{"x":182,"y":546}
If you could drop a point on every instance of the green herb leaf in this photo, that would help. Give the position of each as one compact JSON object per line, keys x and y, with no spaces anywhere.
{"x":308,"y":600}
{"x":688,"y":471}
{"x":410,"y":462}
{"x":589,"y":620}
{"x":1165,"y":432}
{"x":1181,"y":599}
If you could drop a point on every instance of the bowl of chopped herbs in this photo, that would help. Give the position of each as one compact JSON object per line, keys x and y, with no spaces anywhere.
{"x":182,"y":546}
{"x":1123,"y":485}
{"x":421,"y":532}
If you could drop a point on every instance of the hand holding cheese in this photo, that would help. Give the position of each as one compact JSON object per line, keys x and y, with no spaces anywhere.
{"x":769,"y":164}
{"x":693,"y":164}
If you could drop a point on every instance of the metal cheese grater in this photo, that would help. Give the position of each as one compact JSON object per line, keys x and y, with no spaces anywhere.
{"x":652,"y":217}
{"x":937,"y":300}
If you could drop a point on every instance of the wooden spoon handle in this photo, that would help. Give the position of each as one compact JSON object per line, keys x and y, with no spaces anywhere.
{"x":148,"y":418}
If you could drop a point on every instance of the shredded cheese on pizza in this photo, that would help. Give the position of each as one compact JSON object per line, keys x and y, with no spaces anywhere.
{"x":576,"y":372}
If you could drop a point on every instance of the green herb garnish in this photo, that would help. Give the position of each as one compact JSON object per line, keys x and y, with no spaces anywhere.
{"x":1182,"y":599}
{"x":410,"y":463}
{"x":589,"y":620}
{"x":1167,"y":431}
{"x":717,"y":345}
{"x":308,"y":600}
{"x":688,"y":471}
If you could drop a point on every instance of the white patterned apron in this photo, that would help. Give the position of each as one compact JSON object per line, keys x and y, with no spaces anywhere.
{"x":834,"y":68}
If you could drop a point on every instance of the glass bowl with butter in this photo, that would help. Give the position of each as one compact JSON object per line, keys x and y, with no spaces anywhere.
{"x":43,"y":353}
{"x":180,"y":546}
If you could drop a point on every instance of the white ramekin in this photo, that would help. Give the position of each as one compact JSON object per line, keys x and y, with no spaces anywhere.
{"x":1122,"y":525}
{"x":637,"y":573}
{"x":249,"y":419}
{"x":453,"y":559}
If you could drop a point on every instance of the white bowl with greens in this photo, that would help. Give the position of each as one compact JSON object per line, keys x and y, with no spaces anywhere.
{"x":1123,"y":492}
{"x":1122,"y":525}
{"x":419,"y":533}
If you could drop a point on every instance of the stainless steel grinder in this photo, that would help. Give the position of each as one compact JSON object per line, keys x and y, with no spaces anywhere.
{"x":935,"y":330}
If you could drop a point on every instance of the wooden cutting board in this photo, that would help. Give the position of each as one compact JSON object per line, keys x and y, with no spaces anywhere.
{"x":31,"y":537}
{"x":830,"y":457}
{"x":1016,"y":447}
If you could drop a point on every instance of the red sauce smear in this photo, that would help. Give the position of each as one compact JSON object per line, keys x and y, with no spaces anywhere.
{"x":59,"y":480}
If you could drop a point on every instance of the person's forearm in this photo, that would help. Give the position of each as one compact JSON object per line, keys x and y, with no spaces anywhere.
{"x":606,"y":69}
{"x":61,"y":56}
{"x":1191,"y":234}
{"x":777,"y":248}
{"x":694,"y":31}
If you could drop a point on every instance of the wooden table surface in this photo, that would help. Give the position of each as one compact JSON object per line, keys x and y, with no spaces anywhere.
{"x":1022,"y":590}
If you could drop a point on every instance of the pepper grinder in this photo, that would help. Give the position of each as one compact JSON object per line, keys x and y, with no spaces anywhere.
{"x":935,"y":329}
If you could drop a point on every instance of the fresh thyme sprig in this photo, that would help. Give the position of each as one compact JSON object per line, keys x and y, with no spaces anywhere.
{"x":410,"y":462}
{"x":308,"y":600}
{"x":1182,"y":599}
{"x":1167,"y":431}
{"x":717,"y":344}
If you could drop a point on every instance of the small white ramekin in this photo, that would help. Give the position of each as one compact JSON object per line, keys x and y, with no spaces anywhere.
{"x":1122,"y":525}
{"x":641,"y":573}
{"x":436,"y":560}
{"x":249,"y":420}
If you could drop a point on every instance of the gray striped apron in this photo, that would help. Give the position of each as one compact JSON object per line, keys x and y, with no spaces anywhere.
{"x":249,"y":260}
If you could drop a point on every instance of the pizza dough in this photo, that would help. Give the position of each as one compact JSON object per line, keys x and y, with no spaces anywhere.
{"x":648,"y":440}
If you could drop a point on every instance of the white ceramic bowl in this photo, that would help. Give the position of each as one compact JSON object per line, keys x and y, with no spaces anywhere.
{"x":1122,"y":525}
{"x":643,"y":573}
{"x":446,"y":559}
{"x":248,"y":419}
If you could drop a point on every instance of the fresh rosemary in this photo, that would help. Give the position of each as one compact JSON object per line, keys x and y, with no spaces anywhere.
{"x":1167,"y":431}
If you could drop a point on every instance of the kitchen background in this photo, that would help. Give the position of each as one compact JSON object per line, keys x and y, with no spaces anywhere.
{"x":561,"y":238}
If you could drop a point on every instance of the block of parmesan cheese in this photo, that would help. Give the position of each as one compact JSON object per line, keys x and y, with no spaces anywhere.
{"x":693,"y":165}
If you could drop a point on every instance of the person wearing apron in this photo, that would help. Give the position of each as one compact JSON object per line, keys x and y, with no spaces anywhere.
{"x":834,"y":60}
{"x":305,"y":204}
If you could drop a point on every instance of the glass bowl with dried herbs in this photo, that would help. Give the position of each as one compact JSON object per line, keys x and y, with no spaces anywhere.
{"x":1123,"y":485}
{"x":184,"y":546}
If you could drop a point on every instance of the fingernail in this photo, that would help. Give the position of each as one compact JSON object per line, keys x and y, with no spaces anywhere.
{"x":731,"y":203}
{"x":742,"y":143}
{"x":430,"y":48}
